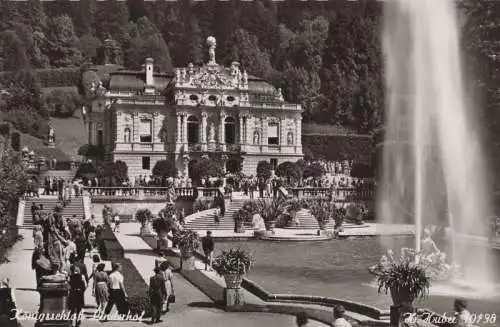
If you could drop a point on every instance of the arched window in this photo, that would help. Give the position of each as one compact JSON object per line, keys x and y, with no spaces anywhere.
{"x":230,"y":130}
{"x":193,"y":130}
{"x":126,"y":135}
{"x":289,"y":138}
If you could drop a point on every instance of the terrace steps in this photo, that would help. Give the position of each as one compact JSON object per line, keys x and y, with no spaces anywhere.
{"x":206,"y":222}
{"x":308,"y":221}
{"x":75,"y":207}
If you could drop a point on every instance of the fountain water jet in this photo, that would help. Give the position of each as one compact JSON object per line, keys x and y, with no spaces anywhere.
{"x":432,"y":162}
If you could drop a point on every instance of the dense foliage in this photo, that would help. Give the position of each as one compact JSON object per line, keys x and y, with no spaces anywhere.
{"x":164,"y":168}
{"x":324,"y":55}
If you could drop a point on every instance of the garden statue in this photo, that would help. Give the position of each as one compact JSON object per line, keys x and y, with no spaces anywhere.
{"x":290,"y":138}
{"x":280,"y":95}
{"x":52,"y":137}
{"x":211,"y":50}
{"x":255,"y":138}
{"x":171,"y":197}
{"x":258,"y":223}
{"x":428,"y":244}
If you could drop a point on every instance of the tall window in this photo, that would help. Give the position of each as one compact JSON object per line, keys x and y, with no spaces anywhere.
{"x":126,"y":136}
{"x":146,"y":163}
{"x":230,"y":130}
{"x":145,"y":131}
{"x":272,"y":133}
{"x":100,"y":138}
{"x":193,"y":130}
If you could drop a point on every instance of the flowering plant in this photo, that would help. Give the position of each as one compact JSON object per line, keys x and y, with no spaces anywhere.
{"x":233,"y":261}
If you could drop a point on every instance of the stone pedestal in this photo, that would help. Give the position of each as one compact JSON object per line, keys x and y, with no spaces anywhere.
{"x":233,"y":297}
{"x":188,"y":263}
{"x":54,"y":292}
{"x":163,"y":243}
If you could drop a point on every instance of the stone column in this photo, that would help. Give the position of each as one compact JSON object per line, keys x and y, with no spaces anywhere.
{"x":203,"y":131}
{"x":282,"y":131}
{"x":298,"y":131}
{"x":185,"y":128}
{"x":178,"y":132}
{"x":242,"y":131}
{"x":135,"y":124}
{"x":221,"y":131}
{"x":264,"y":130}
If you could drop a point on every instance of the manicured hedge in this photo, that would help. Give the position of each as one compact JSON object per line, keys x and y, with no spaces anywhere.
{"x":54,"y":77}
{"x":359,"y":148}
{"x":137,"y":289}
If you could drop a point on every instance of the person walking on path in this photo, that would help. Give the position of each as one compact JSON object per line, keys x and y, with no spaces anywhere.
{"x":157,"y":294}
{"x":168,"y":275}
{"x":100,"y":290}
{"x":207,"y":243}
{"x":77,"y":286}
{"x":117,"y":293}
{"x":116,"y":221}
{"x":7,"y":305}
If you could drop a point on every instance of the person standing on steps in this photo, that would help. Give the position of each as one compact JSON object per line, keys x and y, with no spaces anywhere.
{"x":207,"y":243}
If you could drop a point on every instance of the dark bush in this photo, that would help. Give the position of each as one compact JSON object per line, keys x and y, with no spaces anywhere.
{"x":86,"y":170}
{"x":91,"y":151}
{"x":164,"y":168}
{"x":62,"y":102}
{"x":264,"y":169}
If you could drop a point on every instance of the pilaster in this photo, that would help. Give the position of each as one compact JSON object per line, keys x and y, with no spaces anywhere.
{"x":203,"y":132}
{"x":222,"y":131}
{"x":184,"y":129}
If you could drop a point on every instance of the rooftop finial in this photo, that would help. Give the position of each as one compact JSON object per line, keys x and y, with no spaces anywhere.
{"x":211,"y":49}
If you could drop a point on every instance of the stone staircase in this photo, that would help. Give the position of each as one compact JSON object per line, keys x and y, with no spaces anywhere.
{"x":206,"y":222}
{"x":73,"y":208}
{"x":308,"y":221}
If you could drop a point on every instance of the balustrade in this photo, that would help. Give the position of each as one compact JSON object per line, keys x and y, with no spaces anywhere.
{"x":209,"y":192}
{"x":337,"y":194}
{"x":137,"y":192}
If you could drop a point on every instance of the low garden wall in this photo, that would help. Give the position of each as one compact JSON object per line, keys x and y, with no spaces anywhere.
{"x":127,"y":208}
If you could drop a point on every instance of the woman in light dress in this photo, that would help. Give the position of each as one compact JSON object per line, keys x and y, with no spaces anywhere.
{"x":169,"y":285}
{"x":100,"y":290}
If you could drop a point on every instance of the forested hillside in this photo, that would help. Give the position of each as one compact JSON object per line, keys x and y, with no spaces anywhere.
{"x":325,"y":55}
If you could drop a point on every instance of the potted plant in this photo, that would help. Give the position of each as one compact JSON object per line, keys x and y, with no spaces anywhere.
{"x":233,"y":264}
{"x":270,"y":211}
{"x":322,"y":211}
{"x":188,"y":242}
{"x":294,"y":206}
{"x":404,"y":278}
{"x":144,"y":216}
{"x":239,"y":217}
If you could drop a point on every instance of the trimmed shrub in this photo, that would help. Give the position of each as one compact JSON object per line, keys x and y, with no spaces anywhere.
{"x":264,"y":169}
{"x":164,"y":168}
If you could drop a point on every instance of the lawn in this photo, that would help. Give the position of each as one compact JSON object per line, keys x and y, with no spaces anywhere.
{"x":70,"y":134}
{"x":336,"y":268}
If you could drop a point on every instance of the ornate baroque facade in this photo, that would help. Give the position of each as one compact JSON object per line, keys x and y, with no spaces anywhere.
{"x":212,"y":110}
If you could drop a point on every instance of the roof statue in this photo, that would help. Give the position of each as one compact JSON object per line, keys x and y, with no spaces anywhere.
{"x":211,"y":50}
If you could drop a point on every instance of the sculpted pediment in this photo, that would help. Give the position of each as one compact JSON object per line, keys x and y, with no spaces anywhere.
{"x":212,"y":76}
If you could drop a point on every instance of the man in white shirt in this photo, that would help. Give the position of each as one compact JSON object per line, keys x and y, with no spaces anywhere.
{"x":117,"y":293}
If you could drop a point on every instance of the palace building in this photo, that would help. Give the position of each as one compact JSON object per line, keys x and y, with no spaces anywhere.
{"x":210,"y":111}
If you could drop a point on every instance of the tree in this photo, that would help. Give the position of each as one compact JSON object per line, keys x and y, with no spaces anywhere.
{"x":314,"y":170}
{"x":13,"y":52}
{"x":63,"y":43}
{"x":353,"y":67}
{"x":86,"y":170}
{"x":264,"y":169}
{"x":165,"y":168}
{"x":246,"y":50}
{"x":89,"y":45}
{"x":288,"y":170}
